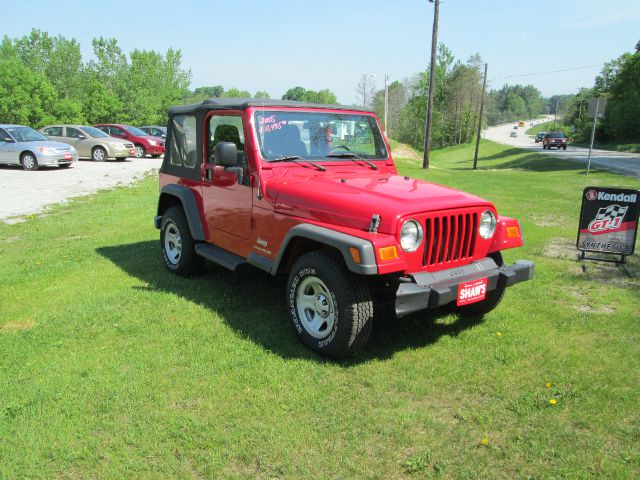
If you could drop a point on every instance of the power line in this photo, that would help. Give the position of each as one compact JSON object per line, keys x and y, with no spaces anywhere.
{"x":549,"y":72}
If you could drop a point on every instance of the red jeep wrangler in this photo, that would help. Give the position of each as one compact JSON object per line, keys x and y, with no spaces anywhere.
{"x":311,"y":191}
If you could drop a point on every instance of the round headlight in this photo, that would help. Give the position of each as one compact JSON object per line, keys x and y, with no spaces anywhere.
{"x":487,"y":224}
{"x":411,"y":236}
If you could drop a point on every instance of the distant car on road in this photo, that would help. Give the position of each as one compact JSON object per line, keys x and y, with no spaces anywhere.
{"x":155,"y":130}
{"x":514,"y":134}
{"x":90,"y":142}
{"x":539,"y":136}
{"x":515,"y":127}
{"x":144,"y":143}
{"x":554,"y":139}
{"x":20,"y":145}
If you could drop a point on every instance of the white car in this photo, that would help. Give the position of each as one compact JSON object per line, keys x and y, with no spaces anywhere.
{"x":20,"y":145}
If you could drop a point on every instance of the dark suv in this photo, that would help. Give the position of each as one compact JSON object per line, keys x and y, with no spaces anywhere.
{"x":554,"y":139}
{"x":540,"y":136}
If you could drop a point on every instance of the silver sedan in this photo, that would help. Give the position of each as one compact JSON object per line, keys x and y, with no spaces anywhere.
{"x":20,"y":145}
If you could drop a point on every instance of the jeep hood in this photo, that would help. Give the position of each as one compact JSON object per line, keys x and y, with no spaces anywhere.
{"x":350,"y":200}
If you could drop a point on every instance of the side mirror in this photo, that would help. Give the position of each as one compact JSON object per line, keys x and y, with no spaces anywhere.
{"x":226,"y":154}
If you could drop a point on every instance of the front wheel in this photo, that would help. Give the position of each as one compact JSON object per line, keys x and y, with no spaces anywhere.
{"x":98,"y":154}
{"x":29,"y":162}
{"x":140,"y":151}
{"x":178,"y":246}
{"x":331,"y":308}
{"x":564,"y":148}
{"x":491,"y":300}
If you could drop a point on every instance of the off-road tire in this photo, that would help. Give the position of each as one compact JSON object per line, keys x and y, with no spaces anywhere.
{"x":491,"y":301}
{"x":99,"y":154}
{"x":349,"y":303}
{"x":174,"y":230}
{"x":29,"y":161}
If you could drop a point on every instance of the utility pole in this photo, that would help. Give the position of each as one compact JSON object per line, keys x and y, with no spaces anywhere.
{"x":484,"y":84}
{"x":593,"y":133}
{"x":555,"y":115}
{"x":432,"y":69}
{"x":386,"y":104}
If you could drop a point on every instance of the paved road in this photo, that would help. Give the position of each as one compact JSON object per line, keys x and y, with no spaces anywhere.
{"x":23,"y":193}
{"x":617,"y":162}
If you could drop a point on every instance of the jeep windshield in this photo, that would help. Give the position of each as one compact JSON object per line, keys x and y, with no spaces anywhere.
{"x":318,"y":135}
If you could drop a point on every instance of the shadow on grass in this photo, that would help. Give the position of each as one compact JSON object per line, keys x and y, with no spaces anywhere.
{"x":252,"y":303}
{"x":533,"y":162}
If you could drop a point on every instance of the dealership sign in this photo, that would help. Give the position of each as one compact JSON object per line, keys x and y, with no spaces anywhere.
{"x":608,"y":220}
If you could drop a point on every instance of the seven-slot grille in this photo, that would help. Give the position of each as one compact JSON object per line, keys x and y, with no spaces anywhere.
{"x":449,"y":238}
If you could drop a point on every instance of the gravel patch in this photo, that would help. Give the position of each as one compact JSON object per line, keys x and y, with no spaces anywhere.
{"x":25,"y":193}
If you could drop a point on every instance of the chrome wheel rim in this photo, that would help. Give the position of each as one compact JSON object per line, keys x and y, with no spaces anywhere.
{"x":172,"y":243}
{"x":139,"y":152}
{"x":315,"y":307}
{"x":98,"y":155}
{"x":29,"y":162}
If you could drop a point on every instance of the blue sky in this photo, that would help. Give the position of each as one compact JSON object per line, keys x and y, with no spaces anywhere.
{"x":277,"y":44}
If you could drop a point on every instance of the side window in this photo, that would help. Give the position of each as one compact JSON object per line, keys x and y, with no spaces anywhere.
{"x":184,"y":143}
{"x":116,"y":132}
{"x":73,"y":132}
{"x":53,"y":131}
{"x":4,"y":136}
{"x":225,"y":128}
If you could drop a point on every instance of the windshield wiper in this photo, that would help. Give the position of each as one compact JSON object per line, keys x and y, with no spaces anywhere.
{"x":295,"y":158}
{"x":352,"y":156}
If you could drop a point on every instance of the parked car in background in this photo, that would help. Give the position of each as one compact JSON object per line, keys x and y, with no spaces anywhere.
{"x":155,"y":130}
{"x":513,"y":134}
{"x":144,"y":143}
{"x":554,"y":139}
{"x":539,"y":136}
{"x":90,"y":142}
{"x":20,"y":145}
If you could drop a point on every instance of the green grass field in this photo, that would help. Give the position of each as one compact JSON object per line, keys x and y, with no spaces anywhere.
{"x":110,"y":367}
{"x":543,"y":127}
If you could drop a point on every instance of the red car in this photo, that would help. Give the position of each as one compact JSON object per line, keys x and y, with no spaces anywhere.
{"x":311,"y":192}
{"x":145,"y":144}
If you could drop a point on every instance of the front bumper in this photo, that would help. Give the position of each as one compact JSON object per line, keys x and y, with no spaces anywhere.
{"x":56,"y":158}
{"x":430,"y":290}
{"x":155,"y":150}
{"x":120,"y":152}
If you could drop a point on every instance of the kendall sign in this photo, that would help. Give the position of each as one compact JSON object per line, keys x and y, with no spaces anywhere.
{"x":608,"y":220}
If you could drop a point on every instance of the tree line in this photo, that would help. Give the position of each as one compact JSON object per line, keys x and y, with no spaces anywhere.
{"x":43,"y":79}
{"x":619,"y":83}
{"x":456,"y":102}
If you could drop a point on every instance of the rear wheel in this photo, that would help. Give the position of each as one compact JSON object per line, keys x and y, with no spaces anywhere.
{"x":28,"y":161}
{"x":98,"y":154}
{"x":330,"y":307}
{"x":178,"y":246}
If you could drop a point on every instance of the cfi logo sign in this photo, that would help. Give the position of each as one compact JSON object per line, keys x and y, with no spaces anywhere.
{"x":608,"y":218}
{"x":591,"y":194}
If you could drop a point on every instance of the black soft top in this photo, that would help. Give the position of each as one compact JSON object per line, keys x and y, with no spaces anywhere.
{"x":243,"y":103}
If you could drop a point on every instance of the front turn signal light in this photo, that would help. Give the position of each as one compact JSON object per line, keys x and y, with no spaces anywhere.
{"x":513,"y":232}
{"x":388,"y":253}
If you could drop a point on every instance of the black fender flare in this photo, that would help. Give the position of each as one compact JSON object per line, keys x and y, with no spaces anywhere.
{"x":189,"y":205}
{"x":338,"y":240}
